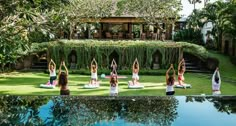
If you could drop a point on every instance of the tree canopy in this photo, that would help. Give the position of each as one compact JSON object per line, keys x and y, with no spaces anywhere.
{"x":152,"y":11}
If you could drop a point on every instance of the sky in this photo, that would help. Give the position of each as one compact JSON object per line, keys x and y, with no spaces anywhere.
{"x":188,"y":8}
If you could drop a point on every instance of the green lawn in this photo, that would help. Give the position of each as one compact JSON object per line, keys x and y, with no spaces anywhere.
{"x":16,"y":83}
{"x":28,"y":84}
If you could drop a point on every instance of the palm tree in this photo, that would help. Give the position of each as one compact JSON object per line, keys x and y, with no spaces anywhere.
{"x":194,"y":2}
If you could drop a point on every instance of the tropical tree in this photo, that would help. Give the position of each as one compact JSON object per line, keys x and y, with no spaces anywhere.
{"x":220,"y":14}
{"x":194,"y":3}
{"x":81,"y":11}
{"x":17,"y":20}
{"x":153,"y":12}
{"x":195,"y":20}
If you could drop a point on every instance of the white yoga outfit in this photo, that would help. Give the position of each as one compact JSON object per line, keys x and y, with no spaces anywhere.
{"x":216,"y":86}
{"x":53,"y":73}
{"x":94,"y":75}
{"x":169,"y":88}
{"x":135,"y":76}
{"x":113,"y":90}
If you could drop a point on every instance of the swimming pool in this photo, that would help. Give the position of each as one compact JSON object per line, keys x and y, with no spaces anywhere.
{"x":118,"y":111}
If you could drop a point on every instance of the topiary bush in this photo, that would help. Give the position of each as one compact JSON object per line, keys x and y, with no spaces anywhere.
{"x":124,"y":51}
{"x":189,"y":35}
{"x":233,"y":59}
{"x":212,"y":63}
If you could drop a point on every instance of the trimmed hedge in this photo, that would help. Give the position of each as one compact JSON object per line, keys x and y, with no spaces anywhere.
{"x":233,"y":59}
{"x":127,"y":51}
{"x":169,"y":52}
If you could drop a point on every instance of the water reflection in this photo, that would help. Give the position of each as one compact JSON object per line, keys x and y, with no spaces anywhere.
{"x":72,"y":110}
{"x":222,"y":104}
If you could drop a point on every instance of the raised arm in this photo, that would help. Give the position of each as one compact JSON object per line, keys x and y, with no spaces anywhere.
{"x":67,"y":73}
{"x":96,"y":64}
{"x":49,"y":64}
{"x":112,"y":63}
{"x":115,"y":63}
{"x":167,"y":73}
{"x":180,"y":63}
{"x":137,"y":64}
{"x":173,"y":71}
{"x":54,"y":64}
{"x":60,"y":69}
{"x":133,"y":65}
{"x":91,"y":65}
{"x":213,"y":77}
{"x":218,"y":73}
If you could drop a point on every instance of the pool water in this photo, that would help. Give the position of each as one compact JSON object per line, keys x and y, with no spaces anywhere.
{"x":118,"y":111}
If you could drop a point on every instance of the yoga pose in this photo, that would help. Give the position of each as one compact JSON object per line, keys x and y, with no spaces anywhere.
{"x":216,"y":81}
{"x":63,"y":80}
{"x":135,"y":68}
{"x":170,"y":80}
{"x":113,"y":86}
{"x":113,"y":66}
{"x":181,"y":70}
{"x":94,"y":67}
{"x":52,"y":71}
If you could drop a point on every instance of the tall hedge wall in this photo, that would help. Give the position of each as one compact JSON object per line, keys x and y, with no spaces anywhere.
{"x":127,"y":51}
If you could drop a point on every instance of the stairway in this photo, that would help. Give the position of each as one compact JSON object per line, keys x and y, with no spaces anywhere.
{"x":41,"y":65}
{"x":192,"y":67}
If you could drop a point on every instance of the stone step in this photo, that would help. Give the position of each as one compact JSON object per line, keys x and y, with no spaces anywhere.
{"x":39,"y":67}
{"x":198,"y":71}
{"x":43,"y":60}
{"x":40,"y":64}
{"x":193,"y":67}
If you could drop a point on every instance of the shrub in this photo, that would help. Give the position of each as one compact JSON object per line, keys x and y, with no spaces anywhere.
{"x":189,"y":35}
{"x":127,"y":51}
{"x":212,"y":63}
{"x":233,"y":59}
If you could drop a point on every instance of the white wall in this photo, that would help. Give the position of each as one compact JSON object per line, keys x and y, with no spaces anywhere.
{"x":207,"y":27}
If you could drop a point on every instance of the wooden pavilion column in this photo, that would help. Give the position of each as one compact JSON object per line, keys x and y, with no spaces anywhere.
{"x":141,"y":30}
{"x":130,"y":36}
{"x":100,"y":31}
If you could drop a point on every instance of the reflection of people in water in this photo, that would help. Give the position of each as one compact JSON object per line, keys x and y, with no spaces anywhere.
{"x":170,"y":80}
{"x":216,"y":82}
{"x":135,"y":68}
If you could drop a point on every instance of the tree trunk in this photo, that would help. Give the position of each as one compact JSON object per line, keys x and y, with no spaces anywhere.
{"x":219,"y":39}
{"x":71,"y":31}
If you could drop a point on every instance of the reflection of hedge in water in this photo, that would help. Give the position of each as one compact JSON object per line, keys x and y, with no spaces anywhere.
{"x":126,"y":50}
{"x":21,"y":110}
{"x":223,"y":104}
{"x":88,"y":111}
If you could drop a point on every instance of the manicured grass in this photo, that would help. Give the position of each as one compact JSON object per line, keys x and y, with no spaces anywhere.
{"x":28,"y":84}
{"x":227,"y":69}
